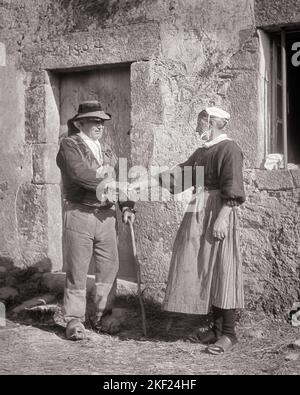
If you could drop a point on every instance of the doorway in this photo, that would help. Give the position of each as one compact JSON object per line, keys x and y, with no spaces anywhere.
{"x":110,"y":86}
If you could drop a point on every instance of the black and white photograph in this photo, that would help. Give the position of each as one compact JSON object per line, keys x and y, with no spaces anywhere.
{"x":149,"y":190}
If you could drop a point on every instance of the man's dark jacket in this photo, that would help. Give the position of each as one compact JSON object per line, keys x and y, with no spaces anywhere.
{"x":79,"y":167}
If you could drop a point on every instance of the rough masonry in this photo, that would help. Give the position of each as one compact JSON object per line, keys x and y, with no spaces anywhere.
{"x":183,"y":55}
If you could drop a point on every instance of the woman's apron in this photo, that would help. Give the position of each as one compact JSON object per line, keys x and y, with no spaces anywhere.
{"x":203,"y":270}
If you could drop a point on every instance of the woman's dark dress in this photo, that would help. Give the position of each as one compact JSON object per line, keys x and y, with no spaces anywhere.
{"x":203,"y":270}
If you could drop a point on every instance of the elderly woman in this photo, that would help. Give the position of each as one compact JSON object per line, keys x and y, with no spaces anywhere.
{"x":206,"y":271}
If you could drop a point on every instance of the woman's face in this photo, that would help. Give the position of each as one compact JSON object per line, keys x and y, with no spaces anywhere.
{"x":203,"y":128}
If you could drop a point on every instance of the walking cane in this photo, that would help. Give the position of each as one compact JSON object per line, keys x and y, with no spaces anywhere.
{"x":138,"y":273}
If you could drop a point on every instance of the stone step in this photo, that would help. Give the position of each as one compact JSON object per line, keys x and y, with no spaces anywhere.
{"x":54,"y":283}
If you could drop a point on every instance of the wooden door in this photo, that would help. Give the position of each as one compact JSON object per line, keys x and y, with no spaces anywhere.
{"x":111,"y":86}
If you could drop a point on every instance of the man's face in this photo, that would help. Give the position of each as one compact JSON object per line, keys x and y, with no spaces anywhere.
{"x":93,"y":128}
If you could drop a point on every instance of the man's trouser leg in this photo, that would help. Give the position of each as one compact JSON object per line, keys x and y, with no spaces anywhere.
{"x":78,"y":245}
{"x":106,"y":262}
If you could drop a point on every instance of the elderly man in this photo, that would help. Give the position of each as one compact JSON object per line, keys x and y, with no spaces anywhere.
{"x":89,"y":218}
{"x":205,"y":270}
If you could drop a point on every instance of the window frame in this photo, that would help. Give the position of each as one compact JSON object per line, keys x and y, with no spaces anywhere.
{"x":280,"y":36}
{"x":279,"y":79}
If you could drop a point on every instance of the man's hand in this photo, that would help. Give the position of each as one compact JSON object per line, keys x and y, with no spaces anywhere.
{"x":111,"y":191}
{"x":221,"y":224}
{"x":138,"y":185}
{"x":128,"y":216}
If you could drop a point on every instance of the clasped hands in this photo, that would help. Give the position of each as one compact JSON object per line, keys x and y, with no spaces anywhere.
{"x":129,"y":190}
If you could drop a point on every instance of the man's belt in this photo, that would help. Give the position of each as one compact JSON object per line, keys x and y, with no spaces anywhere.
{"x":88,"y":207}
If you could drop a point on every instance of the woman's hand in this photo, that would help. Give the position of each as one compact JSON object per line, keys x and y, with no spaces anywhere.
{"x":221,"y":224}
{"x":220,"y":228}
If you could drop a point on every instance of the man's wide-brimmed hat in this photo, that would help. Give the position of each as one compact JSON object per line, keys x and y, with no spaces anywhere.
{"x":87,"y":110}
{"x":92,"y":110}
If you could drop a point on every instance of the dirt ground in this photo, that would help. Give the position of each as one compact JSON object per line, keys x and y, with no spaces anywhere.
{"x":34,"y":343}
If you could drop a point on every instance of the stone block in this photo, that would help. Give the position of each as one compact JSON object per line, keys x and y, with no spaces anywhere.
{"x":38,"y":215}
{"x":31,"y":211}
{"x":296,"y":177}
{"x":126,"y":287}
{"x":274,"y":180}
{"x":276,"y":12}
{"x":157,"y":224}
{"x":127,"y":43}
{"x":35,"y":108}
{"x":42,"y":107}
{"x":154,"y":292}
{"x":52,"y":116}
{"x":243,"y":105}
{"x":12,"y":103}
{"x":54,"y":282}
{"x":54,"y":227}
{"x":146,"y":94}
{"x":142,"y":141}
{"x":45,"y":170}
{"x":126,"y":261}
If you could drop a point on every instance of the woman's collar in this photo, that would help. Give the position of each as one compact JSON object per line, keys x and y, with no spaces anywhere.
{"x":216,"y":140}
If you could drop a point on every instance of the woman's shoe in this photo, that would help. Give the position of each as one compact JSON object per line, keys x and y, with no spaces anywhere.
{"x":207,"y":337}
{"x":221,"y":346}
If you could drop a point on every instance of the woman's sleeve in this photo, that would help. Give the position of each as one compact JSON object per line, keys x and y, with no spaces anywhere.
{"x":231,"y":176}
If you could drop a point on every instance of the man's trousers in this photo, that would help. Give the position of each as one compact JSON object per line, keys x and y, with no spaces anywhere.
{"x":88,"y":233}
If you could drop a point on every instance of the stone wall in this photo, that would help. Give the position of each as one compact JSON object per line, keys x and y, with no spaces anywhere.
{"x":270,"y":13}
{"x":184,"y":55}
{"x":270,"y":235}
